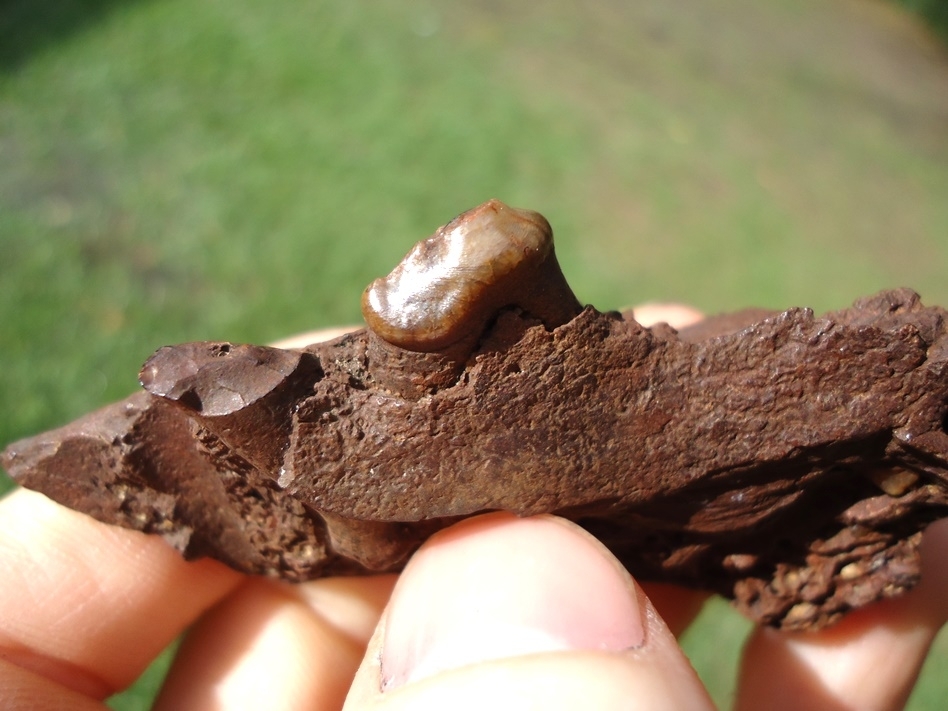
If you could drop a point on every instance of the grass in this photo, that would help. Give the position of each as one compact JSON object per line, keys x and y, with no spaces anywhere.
{"x":175,"y":171}
{"x":935,"y":13}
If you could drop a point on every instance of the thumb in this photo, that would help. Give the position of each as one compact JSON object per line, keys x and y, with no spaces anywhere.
{"x":532,"y":612}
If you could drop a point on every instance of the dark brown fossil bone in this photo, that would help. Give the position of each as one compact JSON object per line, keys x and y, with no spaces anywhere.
{"x":786,"y":461}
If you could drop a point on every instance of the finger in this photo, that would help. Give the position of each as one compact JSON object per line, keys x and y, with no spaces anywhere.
{"x":272,"y":645}
{"x":870,"y":660}
{"x":23,"y":690}
{"x":86,"y":605}
{"x":304,"y":339}
{"x":675,"y":315}
{"x":532,"y":613}
{"x":677,"y":606}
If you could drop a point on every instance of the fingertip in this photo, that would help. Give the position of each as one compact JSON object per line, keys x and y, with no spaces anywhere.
{"x":306,"y":640}
{"x":532,"y":613}
{"x":89,"y":605}
{"x":557,"y":681}
{"x":301,"y":340}
{"x":498,"y":586}
{"x":675,"y":315}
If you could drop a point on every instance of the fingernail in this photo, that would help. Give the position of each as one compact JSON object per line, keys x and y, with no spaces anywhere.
{"x":497,"y":586}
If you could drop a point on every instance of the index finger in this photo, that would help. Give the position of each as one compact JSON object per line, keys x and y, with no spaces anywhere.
{"x":86,"y":605}
{"x":89,"y":606}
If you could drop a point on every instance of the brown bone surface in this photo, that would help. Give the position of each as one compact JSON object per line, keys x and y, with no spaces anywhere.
{"x":786,"y":461}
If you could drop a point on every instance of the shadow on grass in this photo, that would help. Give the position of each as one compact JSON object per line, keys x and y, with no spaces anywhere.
{"x":28,"y":26}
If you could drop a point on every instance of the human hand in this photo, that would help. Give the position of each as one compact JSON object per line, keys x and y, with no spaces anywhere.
{"x":495,"y":611}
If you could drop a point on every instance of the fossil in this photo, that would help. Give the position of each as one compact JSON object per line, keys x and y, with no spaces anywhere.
{"x":786,"y":461}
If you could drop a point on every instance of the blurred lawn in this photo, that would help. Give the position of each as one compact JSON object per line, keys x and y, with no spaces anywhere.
{"x":175,"y":171}
{"x":934,"y":11}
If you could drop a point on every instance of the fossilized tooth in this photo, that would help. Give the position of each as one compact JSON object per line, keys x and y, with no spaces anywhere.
{"x":450,"y":285}
{"x":786,"y":461}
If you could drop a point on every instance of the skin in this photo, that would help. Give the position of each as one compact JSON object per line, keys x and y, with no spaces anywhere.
{"x":493,"y":612}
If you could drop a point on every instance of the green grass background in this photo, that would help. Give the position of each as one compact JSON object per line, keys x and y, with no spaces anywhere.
{"x":934,"y":11}
{"x":174,"y":171}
